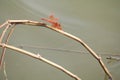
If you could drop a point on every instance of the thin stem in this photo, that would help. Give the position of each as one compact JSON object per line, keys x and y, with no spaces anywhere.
{"x":4,"y":49}
{"x":47,"y":48}
{"x":108,"y":56}
{"x":39,"y":57}
{"x":98,"y":58}
{"x":5,"y":73}
{"x":4,"y":24}
{"x":4,"y":31}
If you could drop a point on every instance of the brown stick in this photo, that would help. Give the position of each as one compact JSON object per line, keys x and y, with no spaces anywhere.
{"x":1,"y":38}
{"x":5,"y":73}
{"x":39,"y":57}
{"x":26,"y":22}
{"x":4,"y":49}
{"x":4,"y":31}
{"x":86,"y":46}
{"x":4,"y":24}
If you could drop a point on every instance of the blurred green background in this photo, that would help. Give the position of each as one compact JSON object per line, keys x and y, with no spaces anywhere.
{"x":97,"y":22}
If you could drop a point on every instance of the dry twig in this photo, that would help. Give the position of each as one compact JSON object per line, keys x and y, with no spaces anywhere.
{"x":6,"y":41}
{"x":98,"y":58}
{"x":39,"y":57}
{"x":35,"y":23}
{"x":28,"y":22}
{"x":5,"y":73}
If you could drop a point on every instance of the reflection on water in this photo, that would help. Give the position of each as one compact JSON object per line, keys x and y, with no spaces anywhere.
{"x":96,"y":22}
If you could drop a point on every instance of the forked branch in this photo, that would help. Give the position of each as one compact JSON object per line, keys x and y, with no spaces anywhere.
{"x":4,"y":45}
{"x":35,"y":23}
{"x":6,"y":41}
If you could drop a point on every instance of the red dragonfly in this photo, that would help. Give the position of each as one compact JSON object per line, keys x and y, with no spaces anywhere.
{"x":53,"y":21}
